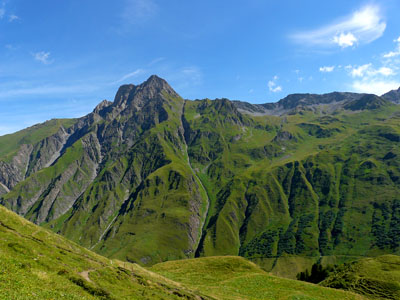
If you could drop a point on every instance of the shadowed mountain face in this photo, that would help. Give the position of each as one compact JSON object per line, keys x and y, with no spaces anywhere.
{"x":393,"y":96}
{"x":151,"y":177}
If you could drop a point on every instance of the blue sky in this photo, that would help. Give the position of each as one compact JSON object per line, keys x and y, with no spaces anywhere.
{"x":60,"y":58}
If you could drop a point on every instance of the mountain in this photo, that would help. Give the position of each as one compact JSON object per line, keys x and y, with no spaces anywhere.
{"x":39,"y":264}
{"x":393,"y":96}
{"x":328,"y":103}
{"x":151,"y":177}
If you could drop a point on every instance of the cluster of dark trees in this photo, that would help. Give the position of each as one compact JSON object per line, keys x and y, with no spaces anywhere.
{"x":318,"y":273}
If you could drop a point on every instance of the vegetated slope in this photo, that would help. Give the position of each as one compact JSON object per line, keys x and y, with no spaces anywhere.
{"x":377,"y":278}
{"x":122,"y":184}
{"x":19,"y":157}
{"x":303,"y":185}
{"x":152,"y":177}
{"x":227,"y":277}
{"x":35,"y":263}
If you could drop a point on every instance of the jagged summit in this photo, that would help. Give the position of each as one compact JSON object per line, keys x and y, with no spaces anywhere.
{"x":138,"y":95}
{"x":103,"y":104}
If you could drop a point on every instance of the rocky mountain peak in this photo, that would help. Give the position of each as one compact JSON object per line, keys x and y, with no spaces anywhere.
{"x":103,"y":104}
{"x":393,"y":96}
{"x":155,"y":86}
{"x":153,"y":89}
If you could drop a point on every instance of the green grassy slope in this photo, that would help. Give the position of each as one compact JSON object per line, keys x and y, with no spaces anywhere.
{"x":10,"y":143}
{"x":287,"y":190}
{"x":38,"y":264}
{"x":377,"y":278}
{"x":227,"y":277}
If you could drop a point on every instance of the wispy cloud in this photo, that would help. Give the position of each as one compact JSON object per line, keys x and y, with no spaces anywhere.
{"x":369,"y":79}
{"x":43,"y":90}
{"x":327,"y":69}
{"x":193,"y":74}
{"x":156,"y":61}
{"x":138,"y":11}
{"x":183,"y":79}
{"x":12,"y":18}
{"x":368,"y":71}
{"x":129,"y":75}
{"x":272,"y":85}
{"x":375,"y":86}
{"x":394,"y":53}
{"x":5,"y":14}
{"x":43,"y":57}
{"x":363,"y":26}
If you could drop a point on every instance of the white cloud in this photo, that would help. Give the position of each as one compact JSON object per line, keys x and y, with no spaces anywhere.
{"x":129,"y":75}
{"x":43,"y":57}
{"x":368,"y":71}
{"x":2,"y":13}
{"x":12,"y":18}
{"x":327,"y":69}
{"x":377,"y":87}
{"x":273,"y":87}
{"x":363,"y":26}
{"x":393,"y":53}
{"x":385,"y":71}
{"x":345,"y":40}
{"x":360,"y":71}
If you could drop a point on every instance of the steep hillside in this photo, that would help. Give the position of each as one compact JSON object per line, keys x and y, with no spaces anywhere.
{"x":38,"y":264}
{"x":35,"y":263}
{"x":122,"y":184}
{"x":152,"y":177}
{"x":377,"y":278}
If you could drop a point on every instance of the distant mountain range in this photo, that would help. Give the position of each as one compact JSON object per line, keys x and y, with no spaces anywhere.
{"x":152,"y":177}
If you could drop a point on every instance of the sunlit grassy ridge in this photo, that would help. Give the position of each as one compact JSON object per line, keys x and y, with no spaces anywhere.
{"x":226,"y":277}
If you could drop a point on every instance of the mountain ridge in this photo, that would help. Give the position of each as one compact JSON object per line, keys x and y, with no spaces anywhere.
{"x":152,"y":177}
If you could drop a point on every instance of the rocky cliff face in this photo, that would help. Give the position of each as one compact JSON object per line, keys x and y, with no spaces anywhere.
{"x":151,"y":177}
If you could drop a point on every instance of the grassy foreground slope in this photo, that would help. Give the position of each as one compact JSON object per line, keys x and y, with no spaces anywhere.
{"x":378,"y":278}
{"x":231,"y":277}
{"x":38,"y":264}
